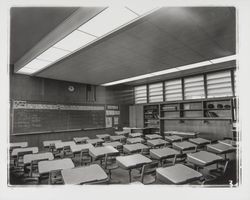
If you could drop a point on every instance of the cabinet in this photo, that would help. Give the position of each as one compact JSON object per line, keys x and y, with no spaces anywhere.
{"x":151,"y":118}
{"x":136,"y":116}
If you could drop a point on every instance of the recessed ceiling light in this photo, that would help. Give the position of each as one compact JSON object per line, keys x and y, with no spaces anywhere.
{"x":53,"y":54}
{"x":108,"y":20}
{"x":224,"y":59}
{"x":34,"y":66}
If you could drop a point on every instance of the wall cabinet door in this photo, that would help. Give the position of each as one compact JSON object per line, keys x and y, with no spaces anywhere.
{"x":136,"y":116}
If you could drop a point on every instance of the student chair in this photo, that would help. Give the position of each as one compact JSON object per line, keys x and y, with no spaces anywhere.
{"x":145,"y":152}
{"x":33,"y":176}
{"x":110,"y":162}
{"x":19,"y":169}
{"x":120,"y":149}
{"x":67,"y":153}
{"x":148,"y":173}
{"x":55,"y":177}
{"x":85,"y":158}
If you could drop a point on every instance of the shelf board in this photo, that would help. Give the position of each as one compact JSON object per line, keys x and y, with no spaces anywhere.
{"x":217,"y":109}
{"x":196,"y":118}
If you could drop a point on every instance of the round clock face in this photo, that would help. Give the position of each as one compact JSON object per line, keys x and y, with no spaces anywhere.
{"x":71,"y":88}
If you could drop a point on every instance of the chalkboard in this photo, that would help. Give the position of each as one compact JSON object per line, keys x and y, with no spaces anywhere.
{"x":41,"y":117}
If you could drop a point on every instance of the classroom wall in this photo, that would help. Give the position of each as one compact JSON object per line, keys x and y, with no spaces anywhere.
{"x":23,"y":87}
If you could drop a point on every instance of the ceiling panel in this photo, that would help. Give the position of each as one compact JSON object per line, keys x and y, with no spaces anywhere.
{"x":167,"y":38}
{"x":30,"y":24}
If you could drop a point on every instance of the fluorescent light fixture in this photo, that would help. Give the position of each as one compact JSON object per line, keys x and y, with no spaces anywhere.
{"x":224,"y":59}
{"x":142,"y":9}
{"x":171,"y":70}
{"x":108,"y":20}
{"x":195,"y":65}
{"x":74,"y":41}
{"x":34,"y":66}
{"x":53,"y":54}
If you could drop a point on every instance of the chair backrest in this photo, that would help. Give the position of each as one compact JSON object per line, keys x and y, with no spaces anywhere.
{"x":145,"y":151}
{"x":22,"y":153}
{"x":84,"y":152}
{"x":149,"y":169}
{"x":110,"y":158}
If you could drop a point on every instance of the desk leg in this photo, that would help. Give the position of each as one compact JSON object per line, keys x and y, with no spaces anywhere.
{"x":129,"y":172}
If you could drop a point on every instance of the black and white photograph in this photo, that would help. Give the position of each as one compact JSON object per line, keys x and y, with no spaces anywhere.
{"x":124,"y":95}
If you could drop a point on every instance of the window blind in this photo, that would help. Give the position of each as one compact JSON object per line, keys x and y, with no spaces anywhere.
{"x":140,"y":94}
{"x":194,"y":87}
{"x":219,"y":84}
{"x":173,"y":90}
{"x":155,"y":92}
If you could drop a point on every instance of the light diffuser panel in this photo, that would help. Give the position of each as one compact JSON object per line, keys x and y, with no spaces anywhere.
{"x":107,"y":21}
{"x":74,"y":41}
{"x":53,"y":54}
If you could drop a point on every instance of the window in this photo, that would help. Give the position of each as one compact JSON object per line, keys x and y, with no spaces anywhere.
{"x":141,"y":94}
{"x":155,"y":92}
{"x":194,"y":87}
{"x":219,"y":84}
{"x":173,"y":90}
{"x":235,"y":83}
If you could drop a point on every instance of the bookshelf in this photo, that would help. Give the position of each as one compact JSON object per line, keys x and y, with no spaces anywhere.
{"x":151,"y":118}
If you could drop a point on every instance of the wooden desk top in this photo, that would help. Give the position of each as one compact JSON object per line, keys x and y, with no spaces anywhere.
{"x":203,"y":158}
{"x":113,"y":144}
{"x":156,"y":142}
{"x":163,"y":153}
{"x":181,"y":133}
{"x":134,"y":147}
{"x":26,"y":149}
{"x":52,"y":165}
{"x":199,"y":141}
{"x":80,"y":139}
{"x":60,"y":145}
{"x":27,"y":159}
{"x":102,"y":151}
{"x":86,"y":174}
{"x":185,"y":145}
{"x":125,"y":132}
{"x":133,"y":135}
{"x":19,"y":144}
{"x":220,"y":148}
{"x":132,"y":161}
{"x":50,"y":142}
{"x":173,"y":138}
{"x":135,"y":140}
{"x":94,"y":141}
{"x":177,"y":174}
{"x":153,"y":136}
{"x":228,"y":142}
{"x":103,"y":136}
{"x":117,"y":137}
{"x":79,"y":147}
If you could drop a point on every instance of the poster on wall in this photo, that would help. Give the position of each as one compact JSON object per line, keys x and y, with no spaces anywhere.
{"x":116,"y":120}
{"x":108,"y":122}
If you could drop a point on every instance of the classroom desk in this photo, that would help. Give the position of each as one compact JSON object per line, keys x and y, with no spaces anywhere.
{"x":173,"y":138}
{"x":157,"y":143}
{"x":61,"y":145}
{"x":50,"y":142}
{"x":131,"y":162}
{"x":103,"y":136}
{"x":95,"y":141}
{"x":124,"y":133}
{"x":177,"y":174}
{"x":84,"y":175}
{"x":113,"y":144}
{"x":98,"y":152}
{"x":134,"y":135}
{"x":199,"y":141}
{"x":132,"y":148}
{"x":26,"y":149}
{"x":164,"y":153}
{"x":203,"y":158}
{"x":114,"y":138}
{"x":181,"y":133}
{"x":135,"y":140}
{"x":184,"y":146}
{"x":153,"y":136}
{"x":28,"y":158}
{"x":54,"y":165}
{"x":77,"y":148}
{"x":18,"y":145}
{"x":78,"y":140}
{"x":220,"y":148}
{"x":228,"y":142}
